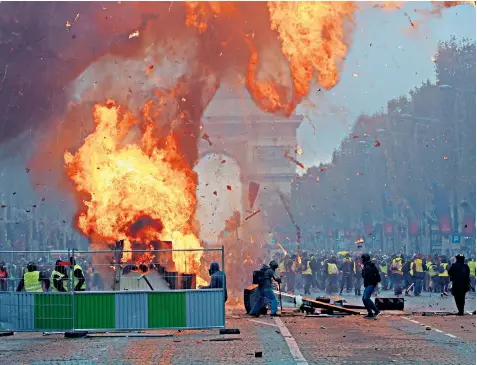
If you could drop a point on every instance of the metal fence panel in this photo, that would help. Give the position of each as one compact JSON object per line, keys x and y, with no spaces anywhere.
{"x":166,"y":310}
{"x":94,"y":310}
{"x":17,"y":311}
{"x":131,"y":310}
{"x":205,"y":308}
{"x":53,"y":311}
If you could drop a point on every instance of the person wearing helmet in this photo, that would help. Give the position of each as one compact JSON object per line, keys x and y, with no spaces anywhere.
{"x":371,"y":278}
{"x":459,"y":275}
{"x":265,"y":291}
{"x":33,"y":281}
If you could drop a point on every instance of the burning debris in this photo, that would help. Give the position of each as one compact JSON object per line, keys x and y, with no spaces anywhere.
{"x":134,"y":34}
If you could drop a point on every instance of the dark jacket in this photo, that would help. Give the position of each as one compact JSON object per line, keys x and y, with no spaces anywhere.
{"x":459,"y":274}
{"x":347,"y":266}
{"x":370,"y":274}
{"x":269,"y":275}
{"x":218,"y":279}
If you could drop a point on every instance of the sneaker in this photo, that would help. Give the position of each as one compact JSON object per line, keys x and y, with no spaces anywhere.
{"x":254,"y":315}
{"x":369,"y":316}
{"x":377,"y":313}
{"x":275,"y":315}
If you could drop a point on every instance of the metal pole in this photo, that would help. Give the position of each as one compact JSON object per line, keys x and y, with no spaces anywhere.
{"x":73,"y":290}
{"x":224,"y":283}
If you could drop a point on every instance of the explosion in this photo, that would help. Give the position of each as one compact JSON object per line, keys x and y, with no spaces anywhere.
{"x":137,"y":191}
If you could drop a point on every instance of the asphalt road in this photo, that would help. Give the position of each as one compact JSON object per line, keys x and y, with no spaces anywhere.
{"x":292,"y":339}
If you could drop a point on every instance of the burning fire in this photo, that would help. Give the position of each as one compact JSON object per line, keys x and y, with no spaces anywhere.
{"x":138,"y":189}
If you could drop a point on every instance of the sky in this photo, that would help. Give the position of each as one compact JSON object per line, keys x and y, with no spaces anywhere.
{"x":390,"y":58}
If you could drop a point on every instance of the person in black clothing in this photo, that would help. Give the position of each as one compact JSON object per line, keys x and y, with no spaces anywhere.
{"x":217,"y":279}
{"x":459,"y":274}
{"x":406,"y":270}
{"x":371,"y":278}
{"x":315,"y":268}
{"x":357,"y":276}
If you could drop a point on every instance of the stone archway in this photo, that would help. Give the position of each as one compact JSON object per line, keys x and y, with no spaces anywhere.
{"x":257,"y":141}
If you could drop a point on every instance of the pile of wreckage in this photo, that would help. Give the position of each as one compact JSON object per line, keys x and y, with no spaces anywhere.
{"x":320,"y":306}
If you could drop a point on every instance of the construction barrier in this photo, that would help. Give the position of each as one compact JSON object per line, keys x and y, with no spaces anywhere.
{"x":158,"y":297}
{"x":93,"y":311}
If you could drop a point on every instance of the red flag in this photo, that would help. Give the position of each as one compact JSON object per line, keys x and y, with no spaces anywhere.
{"x":252,"y":192}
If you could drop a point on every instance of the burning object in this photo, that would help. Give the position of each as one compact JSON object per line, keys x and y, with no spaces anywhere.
{"x":139,"y":191}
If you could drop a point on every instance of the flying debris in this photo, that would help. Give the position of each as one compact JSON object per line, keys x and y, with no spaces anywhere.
{"x":134,"y":34}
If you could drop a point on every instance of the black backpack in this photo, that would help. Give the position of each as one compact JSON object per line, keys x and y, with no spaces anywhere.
{"x":259,"y":277}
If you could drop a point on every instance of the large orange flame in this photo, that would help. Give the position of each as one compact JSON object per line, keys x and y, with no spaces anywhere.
{"x":137,"y":191}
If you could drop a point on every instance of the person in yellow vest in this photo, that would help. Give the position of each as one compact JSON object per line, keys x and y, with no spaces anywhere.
{"x":307,"y":274}
{"x":383,"y":273}
{"x":33,"y":281}
{"x":79,"y":281}
{"x":59,"y":278}
{"x":418,"y":266}
{"x":443,"y":276}
{"x":471,"y":264}
{"x":433,"y":276}
{"x":331,"y":272}
{"x":346,"y":269}
{"x":397,"y":274}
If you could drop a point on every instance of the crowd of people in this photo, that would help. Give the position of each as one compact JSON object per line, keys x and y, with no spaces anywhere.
{"x":342,"y":272}
{"x":345,"y":271}
{"x":40,"y":276}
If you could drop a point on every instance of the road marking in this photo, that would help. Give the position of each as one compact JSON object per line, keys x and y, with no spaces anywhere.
{"x":291,"y":343}
{"x":434,"y":329}
{"x":265,"y":323}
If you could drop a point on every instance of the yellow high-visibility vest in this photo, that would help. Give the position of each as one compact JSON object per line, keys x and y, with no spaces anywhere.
{"x":32,"y":282}
{"x":308,"y":269}
{"x":75,"y":281}
{"x":418,"y":265}
{"x":398,"y":264}
{"x":332,"y":267}
{"x":384,"y":268}
{"x":61,"y":280}
{"x":445,"y":273}
{"x":471,"y":264}
{"x":432,"y":269}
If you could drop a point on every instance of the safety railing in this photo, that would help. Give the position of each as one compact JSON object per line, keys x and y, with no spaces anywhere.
{"x":143,"y":292}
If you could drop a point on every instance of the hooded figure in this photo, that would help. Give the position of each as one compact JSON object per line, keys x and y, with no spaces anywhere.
{"x":217,"y":279}
{"x":371,"y":278}
{"x":265,"y":291}
{"x":459,"y":274}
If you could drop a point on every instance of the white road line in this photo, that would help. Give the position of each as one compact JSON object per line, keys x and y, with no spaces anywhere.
{"x":265,"y":323}
{"x":434,"y":329}
{"x":291,"y":343}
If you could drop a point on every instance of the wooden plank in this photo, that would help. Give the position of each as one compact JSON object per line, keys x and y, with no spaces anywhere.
{"x":318,"y":304}
{"x":315,"y":303}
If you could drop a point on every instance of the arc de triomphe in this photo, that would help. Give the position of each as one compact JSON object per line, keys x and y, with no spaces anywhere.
{"x":257,"y":141}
